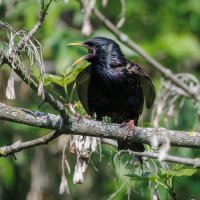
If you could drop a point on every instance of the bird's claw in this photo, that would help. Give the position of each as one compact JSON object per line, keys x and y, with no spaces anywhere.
{"x":77,"y":117}
{"x":131,"y":127}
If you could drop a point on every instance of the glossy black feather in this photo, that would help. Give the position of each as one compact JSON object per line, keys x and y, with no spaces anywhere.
{"x":112,"y":86}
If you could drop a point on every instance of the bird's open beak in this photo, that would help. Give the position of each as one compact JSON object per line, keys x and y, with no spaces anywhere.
{"x":90,"y":51}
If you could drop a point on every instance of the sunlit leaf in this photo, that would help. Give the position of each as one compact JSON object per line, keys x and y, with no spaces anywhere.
{"x":179,"y":173}
{"x":186,"y":172}
{"x":59,"y":80}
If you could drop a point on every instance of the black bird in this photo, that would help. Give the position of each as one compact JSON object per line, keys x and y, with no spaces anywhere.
{"x":113,"y":86}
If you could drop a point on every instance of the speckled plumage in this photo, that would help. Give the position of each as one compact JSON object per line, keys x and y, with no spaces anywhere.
{"x":114,"y":87}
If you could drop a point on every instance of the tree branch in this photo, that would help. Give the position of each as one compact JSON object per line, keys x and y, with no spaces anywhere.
{"x":19,"y":146}
{"x":56,"y":104}
{"x":87,"y":127}
{"x":36,"y":27}
{"x":168,"y":158}
{"x":2,"y":59}
{"x":166,"y":73}
{"x":9,"y":59}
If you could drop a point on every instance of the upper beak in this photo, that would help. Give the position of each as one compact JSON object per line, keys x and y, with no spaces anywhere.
{"x":75,"y":44}
{"x":84,"y":57}
{"x":80,"y":44}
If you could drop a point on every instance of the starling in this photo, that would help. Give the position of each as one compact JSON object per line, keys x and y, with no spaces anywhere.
{"x":113,"y":86}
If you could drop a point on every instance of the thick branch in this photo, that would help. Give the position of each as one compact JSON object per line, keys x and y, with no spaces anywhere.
{"x":154,"y":63}
{"x":94,"y":128}
{"x":88,"y":127}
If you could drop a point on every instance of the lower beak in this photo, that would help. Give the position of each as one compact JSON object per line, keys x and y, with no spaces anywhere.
{"x":80,"y":59}
{"x":84,"y":57}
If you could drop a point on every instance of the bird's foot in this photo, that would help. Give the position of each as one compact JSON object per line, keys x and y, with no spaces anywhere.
{"x":77,"y":117}
{"x":130,"y":127}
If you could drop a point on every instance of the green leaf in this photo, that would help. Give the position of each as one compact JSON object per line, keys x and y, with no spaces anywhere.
{"x":59,"y":80}
{"x":75,"y":70}
{"x":177,"y":167}
{"x":178,"y":173}
{"x":167,"y":173}
{"x":36,"y":72}
{"x":144,"y":177}
{"x":186,"y":172}
{"x":72,"y":73}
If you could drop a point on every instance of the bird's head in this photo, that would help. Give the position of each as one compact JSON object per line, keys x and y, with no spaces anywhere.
{"x":102,"y":51}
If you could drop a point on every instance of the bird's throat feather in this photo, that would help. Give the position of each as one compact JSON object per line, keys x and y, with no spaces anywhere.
{"x":110,"y":76}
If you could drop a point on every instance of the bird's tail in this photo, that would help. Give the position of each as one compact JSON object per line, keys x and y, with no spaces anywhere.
{"x":125,"y":145}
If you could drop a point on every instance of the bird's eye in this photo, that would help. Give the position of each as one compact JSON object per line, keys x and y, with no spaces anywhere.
{"x":96,"y":45}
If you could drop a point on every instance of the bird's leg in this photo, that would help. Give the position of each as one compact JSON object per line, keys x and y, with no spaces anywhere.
{"x":77,"y":117}
{"x":130,"y":127}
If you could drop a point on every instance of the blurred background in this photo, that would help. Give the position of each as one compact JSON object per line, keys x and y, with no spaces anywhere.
{"x":168,"y":30}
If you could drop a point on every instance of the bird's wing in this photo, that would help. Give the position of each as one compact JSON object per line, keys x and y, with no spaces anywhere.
{"x":145,"y":82}
{"x":82,"y":82}
{"x":148,"y":90}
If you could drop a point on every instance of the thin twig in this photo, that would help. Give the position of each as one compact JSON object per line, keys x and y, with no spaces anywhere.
{"x":2,"y":58}
{"x":19,"y":146}
{"x":168,"y":158}
{"x":122,"y":15}
{"x":56,"y":104}
{"x":36,"y":27}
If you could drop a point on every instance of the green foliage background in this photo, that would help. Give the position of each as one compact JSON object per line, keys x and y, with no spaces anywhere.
{"x":167,"y":30}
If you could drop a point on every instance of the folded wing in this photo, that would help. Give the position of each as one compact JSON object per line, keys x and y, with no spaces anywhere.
{"x":82,"y":82}
{"x":145,"y":82}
